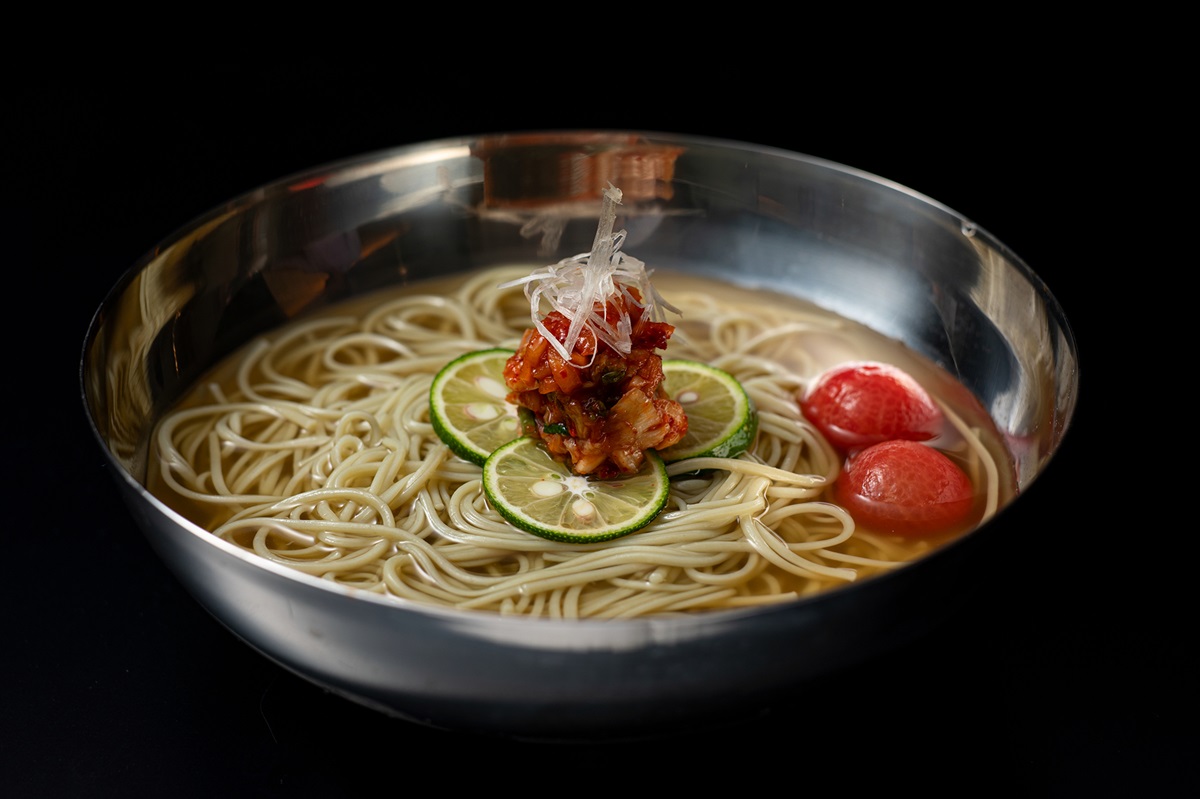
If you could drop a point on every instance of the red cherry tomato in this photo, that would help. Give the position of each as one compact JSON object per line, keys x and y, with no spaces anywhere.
{"x":860,"y":403}
{"x":906,"y":488}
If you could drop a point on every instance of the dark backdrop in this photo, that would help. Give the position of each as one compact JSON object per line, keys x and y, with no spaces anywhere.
{"x":1071,"y":678}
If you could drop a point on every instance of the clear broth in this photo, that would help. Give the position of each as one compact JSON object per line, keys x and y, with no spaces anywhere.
{"x":809,"y":339}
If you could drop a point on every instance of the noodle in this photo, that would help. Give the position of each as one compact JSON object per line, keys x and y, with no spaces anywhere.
{"x":314,"y":449}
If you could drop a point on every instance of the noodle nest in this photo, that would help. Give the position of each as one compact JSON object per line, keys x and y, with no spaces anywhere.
{"x":314,"y":449}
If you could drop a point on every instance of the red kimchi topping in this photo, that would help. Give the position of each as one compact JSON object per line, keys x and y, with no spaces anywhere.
{"x":589,"y":371}
{"x":601,"y":410}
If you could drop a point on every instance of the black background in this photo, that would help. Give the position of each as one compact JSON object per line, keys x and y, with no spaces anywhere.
{"x":1070,"y":673}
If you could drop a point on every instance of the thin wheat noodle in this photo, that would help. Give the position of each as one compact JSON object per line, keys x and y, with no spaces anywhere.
{"x":315,"y":450}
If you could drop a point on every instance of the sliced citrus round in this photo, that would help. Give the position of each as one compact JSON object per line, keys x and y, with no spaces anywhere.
{"x":536,"y":493}
{"x":467,"y":405}
{"x":722,"y":419}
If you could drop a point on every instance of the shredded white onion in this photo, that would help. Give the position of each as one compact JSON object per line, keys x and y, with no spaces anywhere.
{"x":580,"y":286}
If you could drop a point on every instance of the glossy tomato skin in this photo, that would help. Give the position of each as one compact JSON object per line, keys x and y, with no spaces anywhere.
{"x":860,"y":403}
{"x":905,"y":488}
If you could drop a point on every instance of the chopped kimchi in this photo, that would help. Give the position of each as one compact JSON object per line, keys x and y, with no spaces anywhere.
{"x":589,"y":372}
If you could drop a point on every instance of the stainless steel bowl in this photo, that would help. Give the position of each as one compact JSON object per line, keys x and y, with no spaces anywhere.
{"x":850,"y":241}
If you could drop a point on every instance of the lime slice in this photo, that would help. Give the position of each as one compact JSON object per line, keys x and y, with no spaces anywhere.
{"x":467,"y":405}
{"x":542,"y":496}
{"x":722,"y":420}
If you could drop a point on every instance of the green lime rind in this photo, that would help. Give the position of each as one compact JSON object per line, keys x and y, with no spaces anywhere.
{"x":467,"y":407}
{"x":722,"y":419}
{"x":540,"y":495}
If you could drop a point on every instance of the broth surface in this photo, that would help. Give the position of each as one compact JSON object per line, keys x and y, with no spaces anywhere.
{"x":312,"y":447}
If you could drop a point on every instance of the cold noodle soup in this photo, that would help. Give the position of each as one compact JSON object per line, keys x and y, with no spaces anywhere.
{"x":313,"y":447}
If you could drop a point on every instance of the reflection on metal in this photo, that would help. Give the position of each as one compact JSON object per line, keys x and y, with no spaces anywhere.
{"x":536,"y":170}
{"x":541,"y":181}
{"x":136,"y":349}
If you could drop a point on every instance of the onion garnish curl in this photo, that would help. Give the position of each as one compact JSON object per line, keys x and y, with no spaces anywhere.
{"x":579,"y":288}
